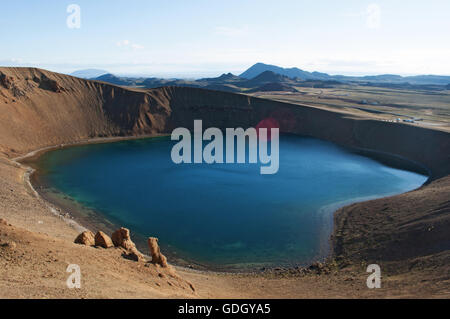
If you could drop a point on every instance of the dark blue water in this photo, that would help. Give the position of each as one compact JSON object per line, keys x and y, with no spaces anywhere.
{"x":224,"y":214}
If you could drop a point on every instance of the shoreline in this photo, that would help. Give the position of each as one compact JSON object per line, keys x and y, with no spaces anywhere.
{"x":64,"y":207}
{"x":327,"y":214}
{"x":60,"y":210}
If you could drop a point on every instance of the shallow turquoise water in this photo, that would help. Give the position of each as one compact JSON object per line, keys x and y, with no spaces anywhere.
{"x":224,"y":214}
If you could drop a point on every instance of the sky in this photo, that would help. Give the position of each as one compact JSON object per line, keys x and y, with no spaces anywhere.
{"x":195,"y":38}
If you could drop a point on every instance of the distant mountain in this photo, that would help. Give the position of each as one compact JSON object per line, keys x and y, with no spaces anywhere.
{"x":151,"y":83}
{"x":148,"y":83}
{"x":111,"y":78}
{"x":293,"y":73}
{"x":428,"y":79}
{"x":264,"y":78}
{"x":89,"y":73}
{"x":270,"y":76}
{"x":270,"y":81}
{"x":382,"y":78}
{"x":226,"y":77}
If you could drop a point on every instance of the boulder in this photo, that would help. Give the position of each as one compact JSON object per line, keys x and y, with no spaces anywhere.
{"x":103,"y":240}
{"x":86,"y":238}
{"x":157,"y":257}
{"x":3,"y":222}
{"x":121,"y":238}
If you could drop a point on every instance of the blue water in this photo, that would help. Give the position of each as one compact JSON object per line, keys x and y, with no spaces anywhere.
{"x":224,"y":214}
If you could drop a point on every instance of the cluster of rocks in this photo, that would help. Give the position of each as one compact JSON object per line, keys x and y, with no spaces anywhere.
{"x":320,"y":268}
{"x":121,"y":238}
{"x":48,"y":84}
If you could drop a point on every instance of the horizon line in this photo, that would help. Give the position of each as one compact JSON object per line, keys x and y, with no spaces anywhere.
{"x":200,"y":73}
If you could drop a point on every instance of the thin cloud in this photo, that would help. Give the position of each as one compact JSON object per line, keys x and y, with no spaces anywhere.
{"x":372,"y":16}
{"x":137,"y":46}
{"x":123,"y":43}
{"x":129,"y":44}
{"x":231,"y":32}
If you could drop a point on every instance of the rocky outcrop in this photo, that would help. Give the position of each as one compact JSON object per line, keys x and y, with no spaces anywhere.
{"x":157,"y":257}
{"x":3,"y":222}
{"x":85,"y":238}
{"x":48,"y":84}
{"x":9,"y":84}
{"x":6,"y":81}
{"x":103,"y":240}
{"x":121,"y":238}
